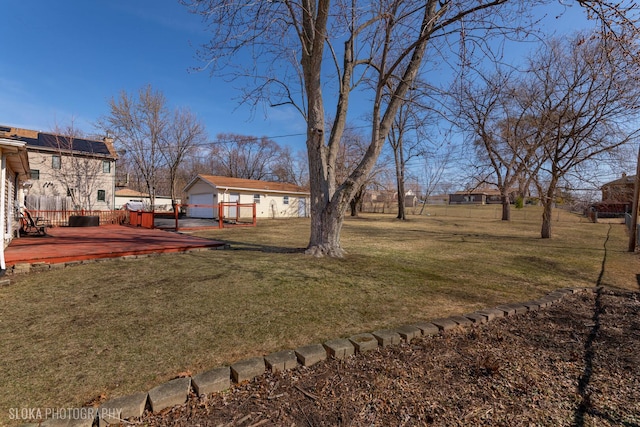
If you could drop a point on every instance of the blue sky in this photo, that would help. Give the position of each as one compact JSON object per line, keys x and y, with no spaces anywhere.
{"x":63,"y":60}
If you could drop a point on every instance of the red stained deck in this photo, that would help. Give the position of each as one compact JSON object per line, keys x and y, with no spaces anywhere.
{"x":65,"y":244}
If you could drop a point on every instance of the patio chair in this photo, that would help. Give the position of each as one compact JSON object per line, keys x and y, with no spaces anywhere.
{"x":34,"y":226}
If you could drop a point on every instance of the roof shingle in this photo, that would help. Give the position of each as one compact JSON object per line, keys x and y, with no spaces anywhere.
{"x":252,"y":184}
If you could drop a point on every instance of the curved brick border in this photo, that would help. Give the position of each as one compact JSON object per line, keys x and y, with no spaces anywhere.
{"x":176,"y":391}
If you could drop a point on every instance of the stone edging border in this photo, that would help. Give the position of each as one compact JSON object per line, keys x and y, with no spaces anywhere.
{"x":176,"y":391}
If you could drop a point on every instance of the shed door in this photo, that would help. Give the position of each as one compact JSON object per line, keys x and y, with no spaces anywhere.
{"x":206,"y":211}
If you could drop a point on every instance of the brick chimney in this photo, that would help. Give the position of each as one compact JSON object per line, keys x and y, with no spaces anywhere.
{"x":108,"y":141}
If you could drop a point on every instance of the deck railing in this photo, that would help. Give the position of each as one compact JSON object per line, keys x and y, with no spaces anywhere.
{"x":227,"y":215}
{"x":61,"y":218}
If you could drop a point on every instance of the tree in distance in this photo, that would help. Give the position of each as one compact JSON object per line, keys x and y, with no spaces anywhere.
{"x":314,"y":55}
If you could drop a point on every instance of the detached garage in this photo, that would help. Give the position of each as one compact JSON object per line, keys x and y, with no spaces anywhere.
{"x":272,"y":199}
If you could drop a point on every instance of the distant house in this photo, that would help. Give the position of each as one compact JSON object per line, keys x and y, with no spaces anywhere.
{"x":126,"y":196}
{"x":381,"y":201}
{"x":67,"y":172}
{"x":468,"y":198}
{"x":272,"y":199}
{"x":482,"y":196}
{"x":619,"y":190}
{"x":617,"y":198}
{"x":437,"y":199}
{"x":380,"y":196}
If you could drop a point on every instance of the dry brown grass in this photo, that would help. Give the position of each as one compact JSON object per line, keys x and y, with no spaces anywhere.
{"x":117,"y":327}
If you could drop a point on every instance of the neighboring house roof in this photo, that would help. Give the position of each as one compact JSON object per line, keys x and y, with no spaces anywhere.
{"x":625,"y":180}
{"x":20,"y":162}
{"x":239,"y":184}
{"x":483,"y":190}
{"x":128,"y":192}
{"x":51,"y":142}
{"x":469,"y":192}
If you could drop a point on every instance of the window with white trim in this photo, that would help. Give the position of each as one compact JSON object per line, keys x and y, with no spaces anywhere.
{"x":55,"y":162}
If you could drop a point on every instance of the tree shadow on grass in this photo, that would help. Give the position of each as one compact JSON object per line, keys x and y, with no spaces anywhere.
{"x":245,"y":246}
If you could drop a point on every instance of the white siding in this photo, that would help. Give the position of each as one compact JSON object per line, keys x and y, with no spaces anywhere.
{"x":202,"y":193}
{"x":271,"y":204}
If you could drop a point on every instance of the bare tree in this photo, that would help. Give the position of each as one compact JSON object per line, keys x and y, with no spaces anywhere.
{"x":408,"y":141}
{"x":585,"y":103}
{"x":382,"y":43}
{"x":138,"y":124}
{"x":291,"y":168}
{"x":434,"y":165}
{"x":497,"y":117}
{"x":76,"y":168}
{"x":352,"y":147}
{"x":153,"y":140}
{"x":184,"y":132}
{"x":244,"y":156}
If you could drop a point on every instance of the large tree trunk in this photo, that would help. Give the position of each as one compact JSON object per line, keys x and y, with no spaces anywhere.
{"x":353,"y":205}
{"x":397,"y":154}
{"x":356,"y":202}
{"x":401,"y":208}
{"x":506,"y":208}
{"x":398,"y":157}
{"x":328,"y":203}
{"x":547,"y":203}
{"x":325,"y":234}
{"x":545,"y":232}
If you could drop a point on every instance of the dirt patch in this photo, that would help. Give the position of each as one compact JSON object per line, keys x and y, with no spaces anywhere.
{"x":574,"y":363}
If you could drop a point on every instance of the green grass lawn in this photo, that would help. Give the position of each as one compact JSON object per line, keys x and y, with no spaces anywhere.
{"x":122,"y":326}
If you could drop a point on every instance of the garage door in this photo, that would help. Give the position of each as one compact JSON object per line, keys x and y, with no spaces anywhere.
{"x":206,"y":211}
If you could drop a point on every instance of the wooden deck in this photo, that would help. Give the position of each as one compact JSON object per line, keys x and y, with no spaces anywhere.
{"x":65,"y":244}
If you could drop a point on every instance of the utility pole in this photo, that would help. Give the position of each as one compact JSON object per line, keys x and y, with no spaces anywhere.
{"x":634,"y":209}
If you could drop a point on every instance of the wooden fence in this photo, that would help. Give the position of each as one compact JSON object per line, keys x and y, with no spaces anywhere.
{"x":60,"y":218}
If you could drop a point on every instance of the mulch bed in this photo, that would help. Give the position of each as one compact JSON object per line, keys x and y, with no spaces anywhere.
{"x":575,"y":363}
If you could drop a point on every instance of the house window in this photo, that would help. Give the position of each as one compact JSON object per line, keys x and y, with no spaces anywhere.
{"x":35,"y":174}
{"x":106,"y":166}
{"x":55,"y":162}
{"x":102,"y":195}
{"x":285,"y":200}
{"x":256,"y":198}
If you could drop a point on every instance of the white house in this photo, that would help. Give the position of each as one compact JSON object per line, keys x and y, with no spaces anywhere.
{"x":272,"y":199}
{"x":14,"y":172}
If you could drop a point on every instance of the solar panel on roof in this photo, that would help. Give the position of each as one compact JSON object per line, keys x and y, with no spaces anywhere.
{"x":65,"y":143}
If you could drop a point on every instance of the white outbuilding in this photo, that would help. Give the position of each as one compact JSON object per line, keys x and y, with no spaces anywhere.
{"x":272,"y":199}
